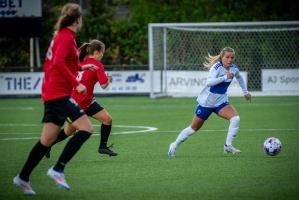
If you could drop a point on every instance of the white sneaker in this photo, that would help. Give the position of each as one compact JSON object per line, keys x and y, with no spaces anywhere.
{"x":171,"y":151}
{"x":231,"y":149}
{"x":25,"y":185}
{"x":58,"y":178}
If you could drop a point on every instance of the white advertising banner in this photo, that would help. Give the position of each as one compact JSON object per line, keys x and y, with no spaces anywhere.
{"x":31,"y":83}
{"x":20,"y":83}
{"x":127,"y":82}
{"x":181,"y":83}
{"x":20,"y":8}
{"x":190,"y":83}
{"x":280,"y":80}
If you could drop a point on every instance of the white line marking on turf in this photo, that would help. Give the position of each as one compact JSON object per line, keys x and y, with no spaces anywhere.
{"x":30,"y":125}
{"x":225,"y":130}
{"x":153,"y":129}
{"x":30,"y":138}
{"x":18,"y":108}
{"x":144,"y":129}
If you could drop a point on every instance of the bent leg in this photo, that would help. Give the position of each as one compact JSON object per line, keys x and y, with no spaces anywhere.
{"x":49,"y":134}
{"x":230,"y":113}
{"x":63,"y":134}
{"x":106,"y":126}
{"x":69,"y":130}
{"x":83,"y":125}
{"x":103,"y":116}
{"x":196,"y":124}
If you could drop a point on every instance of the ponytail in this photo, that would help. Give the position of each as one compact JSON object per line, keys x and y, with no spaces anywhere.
{"x":89,"y":48}
{"x":211,"y":60}
{"x":84,"y":51}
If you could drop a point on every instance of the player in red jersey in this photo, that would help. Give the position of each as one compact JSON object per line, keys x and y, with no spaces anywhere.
{"x":92,"y":53}
{"x":60,"y":68}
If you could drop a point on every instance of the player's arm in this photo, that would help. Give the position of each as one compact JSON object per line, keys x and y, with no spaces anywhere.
{"x":107,"y":83}
{"x":242,"y":84}
{"x":103,"y":79}
{"x":59,"y":61}
{"x":83,"y":67}
{"x":213,"y":78}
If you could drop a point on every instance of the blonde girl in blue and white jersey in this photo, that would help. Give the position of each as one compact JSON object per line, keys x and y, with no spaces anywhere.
{"x":213,"y":98}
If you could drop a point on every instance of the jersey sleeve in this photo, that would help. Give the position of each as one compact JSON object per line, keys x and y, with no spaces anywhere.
{"x":80,"y":66}
{"x":241,"y":81}
{"x":101,"y":75}
{"x":213,"y":78}
{"x":59,"y":60}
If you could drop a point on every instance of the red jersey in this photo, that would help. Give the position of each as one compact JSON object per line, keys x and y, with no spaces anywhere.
{"x":61,"y":66}
{"x":89,"y":78}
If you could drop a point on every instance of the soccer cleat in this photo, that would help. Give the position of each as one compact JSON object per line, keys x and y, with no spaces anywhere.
{"x":59,"y":178}
{"x":107,"y":150}
{"x":25,"y":185}
{"x":231,"y":149}
{"x":171,"y":151}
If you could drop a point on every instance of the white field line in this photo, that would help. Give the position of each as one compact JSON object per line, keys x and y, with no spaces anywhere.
{"x":26,"y":108}
{"x":144,"y":129}
{"x":244,"y":130}
{"x":19,"y":108}
{"x":152,"y":129}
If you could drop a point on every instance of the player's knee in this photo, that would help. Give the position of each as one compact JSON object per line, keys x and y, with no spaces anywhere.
{"x":85,"y":125}
{"x":87,"y":128}
{"x":195,"y":128}
{"x":47,"y":141}
{"x":235,"y":120}
{"x":107,"y":121}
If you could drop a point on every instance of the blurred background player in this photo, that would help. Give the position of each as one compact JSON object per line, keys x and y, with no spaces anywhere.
{"x":213,"y":98}
{"x":60,"y":68}
{"x":92,"y":53}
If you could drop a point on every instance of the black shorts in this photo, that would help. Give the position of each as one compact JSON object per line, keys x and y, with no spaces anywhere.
{"x":59,"y":110}
{"x":93,"y":109}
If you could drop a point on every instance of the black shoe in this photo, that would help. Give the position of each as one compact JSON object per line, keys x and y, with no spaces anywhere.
{"x":107,"y":150}
{"x":48,"y":155}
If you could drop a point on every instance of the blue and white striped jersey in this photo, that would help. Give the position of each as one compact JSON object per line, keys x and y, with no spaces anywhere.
{"x":215,"y":92}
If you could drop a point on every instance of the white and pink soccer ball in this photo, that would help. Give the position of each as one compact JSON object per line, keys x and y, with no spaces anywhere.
{"x":272,"y":146}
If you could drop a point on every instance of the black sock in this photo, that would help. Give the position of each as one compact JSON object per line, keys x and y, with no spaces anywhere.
{"x":70,"y":149}
{"x":105,"y":132}
{"x":34,"y":157}
{"x":61,"y":136}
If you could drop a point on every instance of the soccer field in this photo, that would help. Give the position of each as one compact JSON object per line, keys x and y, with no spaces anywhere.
{"x":143,"y":129}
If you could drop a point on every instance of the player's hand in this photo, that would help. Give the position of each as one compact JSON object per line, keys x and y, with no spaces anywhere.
{"x":230,"y":75}
{"x":109,"y":79}
{"x":248,"y":97}
{"x":81,"y":88}
{"x":89,"y":66}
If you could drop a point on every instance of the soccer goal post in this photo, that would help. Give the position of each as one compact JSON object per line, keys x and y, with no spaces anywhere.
{"x":177,"y":51}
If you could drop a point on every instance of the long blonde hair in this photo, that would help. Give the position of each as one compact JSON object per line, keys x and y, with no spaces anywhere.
{"x":211,"y":60}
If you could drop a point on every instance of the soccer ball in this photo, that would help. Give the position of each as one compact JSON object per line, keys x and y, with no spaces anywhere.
{"x":272,"y":146}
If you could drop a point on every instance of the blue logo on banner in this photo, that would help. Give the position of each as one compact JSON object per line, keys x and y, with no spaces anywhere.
{"x":135,"y":78}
